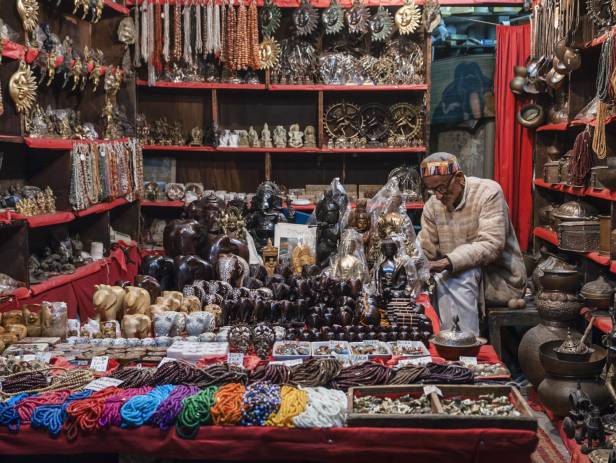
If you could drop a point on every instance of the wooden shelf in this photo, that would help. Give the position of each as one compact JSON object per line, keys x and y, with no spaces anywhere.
{"x":413,"y":149}
{"x":348,"y":88}
{"x":162,"y":203}
{"x":11,"y":139}
{"x":552,"y":237}
{"x":194,"y":149}
{"x":49,"y":143}
{"x":578,"y":191}
{"x":101,"y":207}
{"x":245,"y":149}
{"x":563,"y":126}
{"x":600,"y":40}
{"x":348,"y":3}
{"x":200,"y":85}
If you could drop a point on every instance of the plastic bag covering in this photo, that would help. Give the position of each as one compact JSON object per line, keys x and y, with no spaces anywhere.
{"x":389,"y":219}
{"x":589,"y":112}
{"x":350,"y":260}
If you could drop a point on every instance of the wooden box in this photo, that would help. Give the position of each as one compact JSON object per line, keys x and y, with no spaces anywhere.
{"x":438,"y":419}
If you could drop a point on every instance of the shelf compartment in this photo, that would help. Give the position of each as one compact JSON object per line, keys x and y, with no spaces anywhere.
{"x":193,"y":149}
{"x":46,"y":220}
{"x":111,"y":5}
{"x":563,"y":126}
{"x":348,"y":88}
{"x":101,"y":207}
{"x":414,"y":149}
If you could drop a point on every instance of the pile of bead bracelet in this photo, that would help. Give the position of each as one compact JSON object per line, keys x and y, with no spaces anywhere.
{"x":187,"y":407}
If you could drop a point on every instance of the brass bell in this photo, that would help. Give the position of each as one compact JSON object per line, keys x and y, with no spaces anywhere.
{"x":572,"y":59}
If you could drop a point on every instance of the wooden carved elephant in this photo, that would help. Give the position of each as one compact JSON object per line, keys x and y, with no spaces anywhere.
{"x":228,"y":245}
{"x":190,"y":304}
{"x":136,"y":326}
{"x":185,"y":237}
{"x":171,"y":299}
{"x":191,"y":268}
{"x":136,"y":301}
{"x":162,"y":269}
{"x":206,"y":211}
{"x":150,"y":284}
{"x":108,"y":302}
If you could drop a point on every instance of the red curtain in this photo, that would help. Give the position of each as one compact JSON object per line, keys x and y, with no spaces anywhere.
{"x":513,"y":153}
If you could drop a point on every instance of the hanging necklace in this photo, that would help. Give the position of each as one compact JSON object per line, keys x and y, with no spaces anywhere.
{"x":177,"y":32}
{"x":137,"y":57}
{"x":166,"y":44}
{"x":231,"y":36}
{"x":198,"y":30}
{"x":187,"y":35}
{"x":144,"y":32}
{"x":158,"y":39}
{"x":217,"y":43}
{"x":253,"y":36}
{"x":208,"y":30}
{"x":241,"y":36}
{"x":150,"y":43}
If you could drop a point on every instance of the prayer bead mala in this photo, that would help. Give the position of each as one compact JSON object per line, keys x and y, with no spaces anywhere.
{"x":254,"y":57}
{"x":293,"y":403}
{"x":273,"y":373}
{"x":84,"y":414}
{"x":138,"y":410}
{"x":195,"y":412}
{"x":8,"y":413}
{"x":408,"y":374}
{"x":25,"y":408}
{"x":326,"y":408}
{"x":227,"y":411}
{"x":52,"y":416}
{"x":367,"y":373}
{"x":165,"y":415}
{"x":111,"y":410}
{"x":449,"y":374}
{"x":261,"y":400}
{"x":177,"y":32}
{"x":23,"y":381}
{"x":133,"y":377}
{"x":315,"y":372}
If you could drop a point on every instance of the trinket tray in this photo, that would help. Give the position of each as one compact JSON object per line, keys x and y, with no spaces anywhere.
{"x":291,"y":350}
{"x":408,"y":349}
{"x":438,"y":418}
{"x":193,"y":351}
{"x":373,"y":349}
{"x":330,"y":348}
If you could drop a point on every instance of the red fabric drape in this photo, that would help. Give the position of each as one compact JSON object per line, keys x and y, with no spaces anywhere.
{"x":513,"y":153}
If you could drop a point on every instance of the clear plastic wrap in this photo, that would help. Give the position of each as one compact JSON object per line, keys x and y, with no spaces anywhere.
{"x":389,"y":219}
{"x":350,"y":260}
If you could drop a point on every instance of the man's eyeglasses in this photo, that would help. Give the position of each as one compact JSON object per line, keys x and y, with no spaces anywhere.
{"x":441,"y":189}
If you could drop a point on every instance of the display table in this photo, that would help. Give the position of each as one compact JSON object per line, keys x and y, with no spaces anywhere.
{"x":359,"y":445}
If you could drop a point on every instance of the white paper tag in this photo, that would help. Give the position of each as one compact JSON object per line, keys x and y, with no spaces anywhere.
{"x":288,"y":363}
{"x":101,"y":383}
{"x":235,"y":359}
{"x":27,"y":357}
{"x":165,"y":360}
{"x":431,"y":388}
{"x":468,"y":360}
{"x":372,"y":342}
{"x":44,"y":357}
{"x":424,"y":360}
{"x":361,"y":358}
{"x":99,"y":363}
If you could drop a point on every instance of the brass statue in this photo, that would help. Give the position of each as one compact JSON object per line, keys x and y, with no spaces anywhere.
{"x":301,"y":256}
{"x":29,"y":13}
{"x":270,"y":257}
{"x":233,"y":224}
{"x":408,"y":18}
{"x":22,"y":88}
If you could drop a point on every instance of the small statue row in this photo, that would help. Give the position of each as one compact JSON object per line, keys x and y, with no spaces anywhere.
{"x":294,"y":138}
{"x":44,"y":202}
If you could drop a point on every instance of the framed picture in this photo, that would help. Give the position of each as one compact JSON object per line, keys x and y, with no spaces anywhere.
{"x":289,"y":235}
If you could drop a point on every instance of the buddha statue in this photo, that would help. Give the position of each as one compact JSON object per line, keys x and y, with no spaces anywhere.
{"x":328,"y":213}
{"x":391,"y":278}
{"x":265,"y":212}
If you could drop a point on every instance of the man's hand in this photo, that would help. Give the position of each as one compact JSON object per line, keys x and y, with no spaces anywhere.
{"x":437,"y":266}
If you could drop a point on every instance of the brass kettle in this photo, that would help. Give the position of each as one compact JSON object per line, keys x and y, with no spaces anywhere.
{"x":517,"y":83}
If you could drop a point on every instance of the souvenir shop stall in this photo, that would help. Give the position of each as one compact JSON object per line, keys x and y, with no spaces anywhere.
{"x":208,"y":234}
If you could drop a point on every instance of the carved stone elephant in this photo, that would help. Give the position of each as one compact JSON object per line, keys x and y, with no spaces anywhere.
{"x":164,"y":323}
{"x":199,"y":322}
{"x":191,"y":268}
{"x":162,"y":269}
{"x":185,"y":237}
{"x":136,"y":326}
{"x":136,"y":301}
{"x":108,"y":302}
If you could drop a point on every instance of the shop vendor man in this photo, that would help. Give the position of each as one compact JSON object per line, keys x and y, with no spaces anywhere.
{"x":467,"y":236}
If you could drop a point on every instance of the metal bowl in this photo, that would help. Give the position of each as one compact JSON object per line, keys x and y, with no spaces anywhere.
{"x":449,"y":352}
{"x":568,"y":369}
{"x":560,"y":280}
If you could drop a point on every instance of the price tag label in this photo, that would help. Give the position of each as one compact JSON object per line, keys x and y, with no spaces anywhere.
{"x":431,"y":388}
{"x":236,"y":359}
{"x":372,"y":342}
{"x":424,"y":360}
{"x":27,"y":357}
{"x":44,"y":357}
{"x":359,"y":358}
{"x":102,"y":383}
{"x":288,"y":363}
{"x":468,"y":360}
{"x":343,"y":358}
{"x":99,"y":363}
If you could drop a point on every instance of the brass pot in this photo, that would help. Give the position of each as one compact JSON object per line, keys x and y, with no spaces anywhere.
{"x":607,"y":177}
{"x":558,"y":306}
{"x":559,"y":67}
{"x":531,"y":116}
{"x":554,"y":80}
{"x":560,"y":280}
{"x":517,"y":83}
{"x":598,"y":293}
{"x":528,"y":350}
{"x":549,"y":262}
{"x":554,"y":393}
{"x":571,"y":369}
{"x":572,"y":59}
